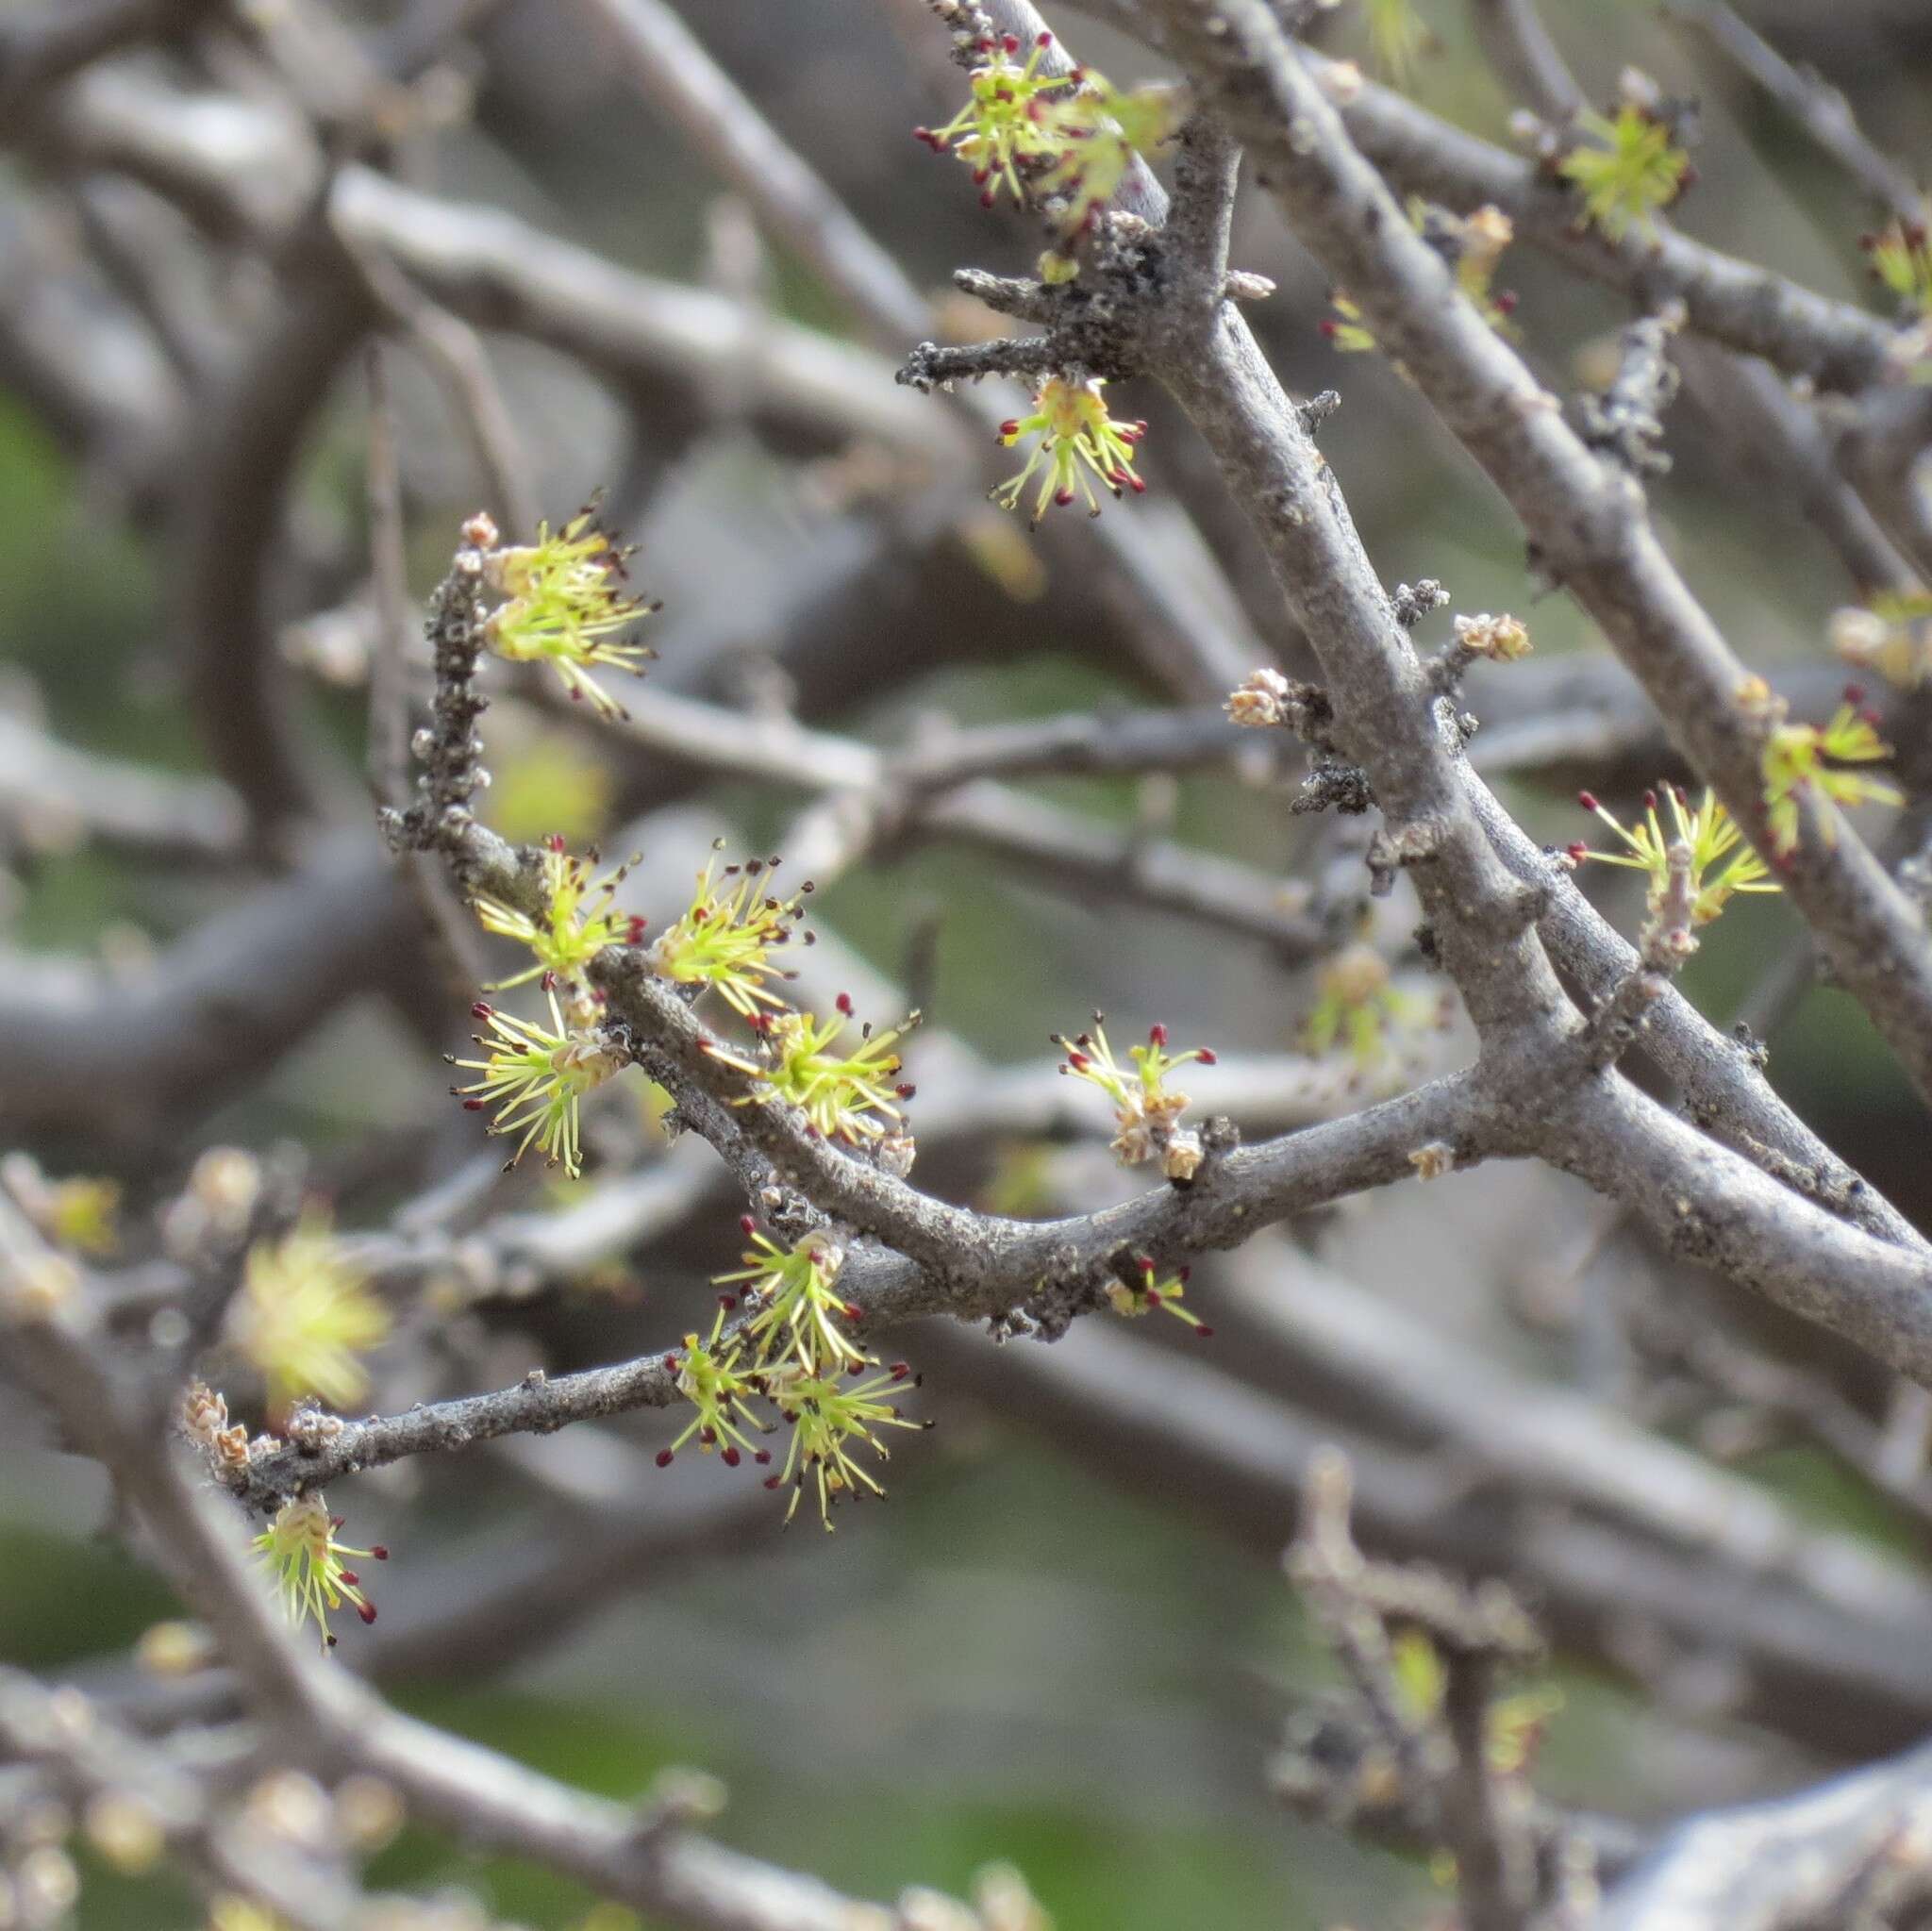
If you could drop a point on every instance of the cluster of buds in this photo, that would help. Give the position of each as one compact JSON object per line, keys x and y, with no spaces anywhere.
{"x":576,"y":925}
{"x":724,"y":939}
{"x":304,"y":1315}
{"x":564,"y":603}
{"x":1078,"y":441}
{"x":1801,"y":761}
{"x":204,"y":1416}
{"x":1716,"y":865}
{"x":1500,"y":640}
{"x":1146,"y":1113}
{"x":1261,"y":699}
{"x":1635,"y":163}
{"x":305,"y":1561}
{"x":1139,"y":1289}
{"x":851,"y":1096}
{"x":536,"y":1079}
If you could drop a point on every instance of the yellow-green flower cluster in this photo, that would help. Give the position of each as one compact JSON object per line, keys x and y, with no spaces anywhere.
{"x":791,"y":1349}
{"x":1003,"y":124}
{"x":829,"y":1420}
{"x":577,"y":922}
{"x":1146,"y":1113}
{"x":1630,"y":170}
{"x":797,"y":1307}
{"x":1098,"y":131}
{"x":1901,"y":258}
{"x":1078,"y":441}
{"x":725,"y":937}
{"x":1358,"y":1008}
{"x":308,"y":1567}
{"x":305,"y":1314}
{"x":1800,"y":760}
{"x":536,"y":1079}
{"x":711,"y":1378}
{"x":565,"y":605}
{"x":844,"y":1095}
{"x":1722,"y":864}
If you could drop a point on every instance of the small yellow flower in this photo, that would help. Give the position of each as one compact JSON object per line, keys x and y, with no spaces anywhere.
{"x":725,"y":937}
{"x":306,"y":1562}
{"x":577,"y":922}
{"x":1002,"y":123}
{"x":829,"y":1420}
{"x":710,"y":1377}
{"x":1901,"y":258}
{"x":1474,"y":242}
{"x":1144,"y":1290}
{"x":536,"y":1079}
{"x":304,"y":1315}
{"x":1099,"y":131}
{"x":844,"y":1095}
{"x":1805,"y":758}
{"x":797,"y":1309}
{"x":1632,"y":171}
{"x":1713,"y":838}
{"x":1078,"y":440}
{"x":565,"y":606}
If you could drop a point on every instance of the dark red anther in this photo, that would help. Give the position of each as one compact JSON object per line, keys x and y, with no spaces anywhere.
{"x":1064,"y":497}
{"x":1329,"y":330}
{"x":905,"y":1092}
{"x":635,"y":931}
{"x":672,"y":1364}
{"x":482,"y":1010}
{"x":1184,"y":1275}
{"x":730,"y":1456}
{"x":1588,"y":801}
{"x":1204,"y":1333}
{"x":555,"y":842}
{"x":1507,"y":301}
{"x":773,"y":1481}
{"x":664,"y":1457}
{"x":1156,"y":1035}
{"x":367,"y":1611}
{"x":727,"y":1302}
{"x":1650,"y":801}
{"x":1043,"y":40}
{"x":379,"y":1554}
{"x":1207,"y":1056}
{"x":1011,"y":42}
{"x":747,"y":1225}
{"x":350,"y":1577}
{"x":1855,"y":694}
{"x":854,"y":1311}
{"x":1078,"y":1061}
{"x":900,"y":1369}
{"x":843,"y":1002}
{"x":1578,"y":851}
{"x":475,"y":1106}
{"x":1009,"y":428}
{"x":761,"y":1456}
{"x":335,"y":1521}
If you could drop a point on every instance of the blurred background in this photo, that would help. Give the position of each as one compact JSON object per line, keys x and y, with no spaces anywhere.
{"x":1066,"y":1640}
